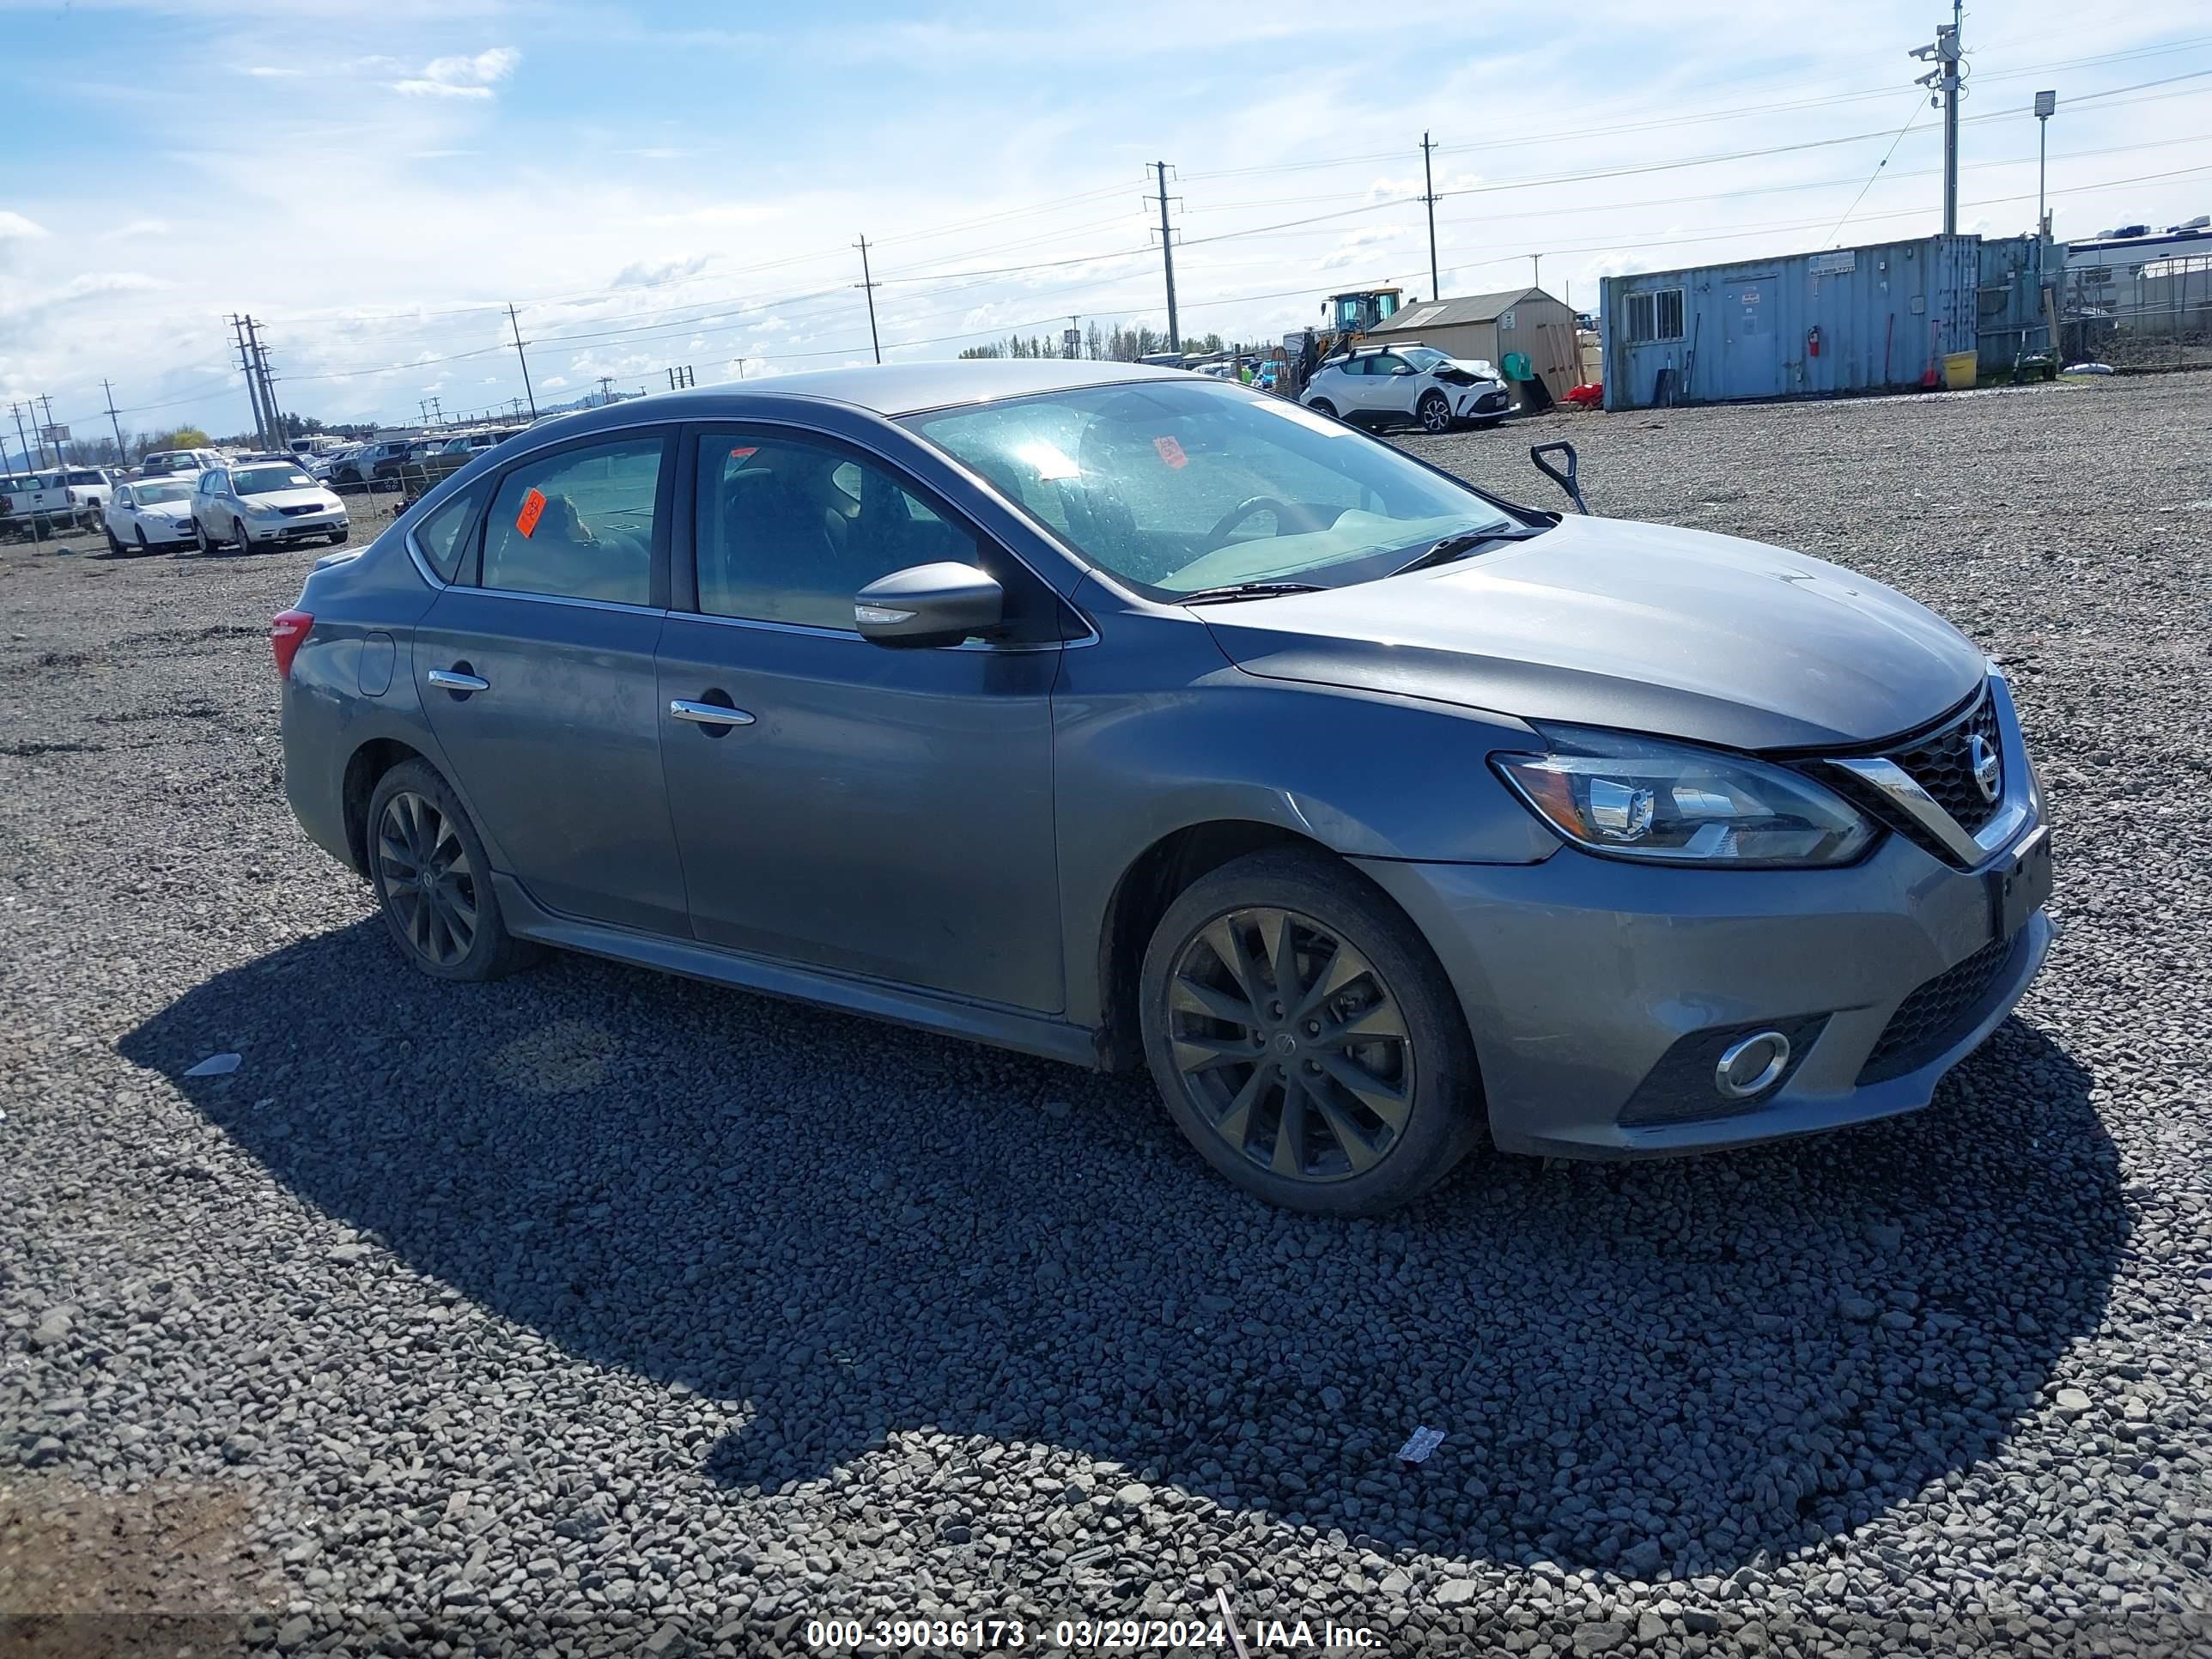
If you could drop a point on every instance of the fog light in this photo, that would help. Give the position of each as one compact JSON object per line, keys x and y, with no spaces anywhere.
{"x":1750,"y":1064}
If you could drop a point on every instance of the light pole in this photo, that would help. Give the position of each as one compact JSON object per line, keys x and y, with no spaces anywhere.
{"x":2046,"y":102}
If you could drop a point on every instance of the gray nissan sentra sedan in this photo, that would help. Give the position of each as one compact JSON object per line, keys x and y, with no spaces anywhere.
{"x":1122,"y":715}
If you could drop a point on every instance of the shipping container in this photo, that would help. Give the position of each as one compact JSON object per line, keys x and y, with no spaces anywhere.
{"x":1809,"y":324}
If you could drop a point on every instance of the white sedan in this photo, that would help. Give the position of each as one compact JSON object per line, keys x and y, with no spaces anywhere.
{"x":147,"y":514}
{"x":264,"y":504}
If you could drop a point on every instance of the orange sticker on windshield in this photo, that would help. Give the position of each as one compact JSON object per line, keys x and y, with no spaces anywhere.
{"x":533,"y":507}
{"x":1171,"y":452}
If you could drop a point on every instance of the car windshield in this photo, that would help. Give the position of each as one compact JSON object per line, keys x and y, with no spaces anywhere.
{"x":148,"y":493}
{"x":264,"y":480}
{"x":1181,"y":485}
{"x":1423,"y":358}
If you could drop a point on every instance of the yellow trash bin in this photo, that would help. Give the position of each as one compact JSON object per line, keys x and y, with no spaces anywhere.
{"x":1958,"y":370}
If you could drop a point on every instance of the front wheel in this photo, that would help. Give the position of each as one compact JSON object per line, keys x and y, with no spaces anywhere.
{"x":238,"y":535}
{"x":1322,"y":406}
{"x":200,"y":541}
{"x":114,"y":543}
{"x":338,"y":538}
{"x":1305,"y":1038}
{"x":1434,"y":412}
{"x":433,"y":881}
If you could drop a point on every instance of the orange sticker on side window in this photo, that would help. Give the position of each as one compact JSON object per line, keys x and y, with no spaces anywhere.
{"x":533,"y":507}
{"x":1171,"y":452}
{"x":744,"y":454}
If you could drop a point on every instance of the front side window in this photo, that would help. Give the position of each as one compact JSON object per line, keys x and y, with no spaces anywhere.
{"x":1176,"y":486}
{"x":577,"y":525}
{"x":788,"y":530}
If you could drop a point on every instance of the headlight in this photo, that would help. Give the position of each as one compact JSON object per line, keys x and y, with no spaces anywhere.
{"x":265,"y":509}
{"x":1640,"y":798}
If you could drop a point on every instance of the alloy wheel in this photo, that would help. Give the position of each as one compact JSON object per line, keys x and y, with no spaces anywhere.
{"x":423,"y":874}
{"x":1435,"y":413}
{"x":1290,"y":1045}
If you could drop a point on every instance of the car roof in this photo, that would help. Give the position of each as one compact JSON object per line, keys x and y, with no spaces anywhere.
{"x":887,"y":389}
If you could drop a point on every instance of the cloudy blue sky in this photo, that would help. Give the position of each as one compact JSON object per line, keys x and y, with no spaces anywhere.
{"x":680,"y":183}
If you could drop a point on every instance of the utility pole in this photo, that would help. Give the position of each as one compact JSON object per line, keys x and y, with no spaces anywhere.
{"x":277,"y":433}
{"x":122,"y":452}
{"x":48,"y":431}
{"x":1428,"y":195}
{"x":680,"y":377}
{"x":1535,"y":271}
{"x":524,"y":361}
{"x":868,"y":286}
{"x":1167,"y":257}
{"x":17,"y":411}
{"x":606,"y":390}
{"x":252,"y":387}
{"x":2046,"y":104}
{"x":1943,"y":83}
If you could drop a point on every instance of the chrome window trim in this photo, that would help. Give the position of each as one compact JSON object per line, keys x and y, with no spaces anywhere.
{"x":572,"y":599}
{"x":813,"y":631}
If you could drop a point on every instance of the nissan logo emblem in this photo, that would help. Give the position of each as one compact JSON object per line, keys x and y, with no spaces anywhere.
{"x":1989,"y":770}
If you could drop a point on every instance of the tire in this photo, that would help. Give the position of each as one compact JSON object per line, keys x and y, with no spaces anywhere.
{"x":200,"y":541}
{"x":114,"y":546}
{"x":238,"y":535}
{"x":144,"y":548}
{"x":1434,"y":413}
{"x":1379,"y":1121}
{"x":433,"y":882}
{"x":338,"y":538}
{"x":1322,"y":406}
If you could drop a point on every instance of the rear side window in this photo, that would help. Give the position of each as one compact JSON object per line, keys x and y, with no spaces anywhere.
{"x":578,"y":525}
{"x":443,"y":537}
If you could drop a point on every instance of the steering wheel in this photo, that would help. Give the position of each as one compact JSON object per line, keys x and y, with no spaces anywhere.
{"x":1244,"y":509}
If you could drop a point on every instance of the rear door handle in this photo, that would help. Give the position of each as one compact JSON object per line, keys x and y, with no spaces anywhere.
{"x":708,"y":714}
{"x":448,"y":679}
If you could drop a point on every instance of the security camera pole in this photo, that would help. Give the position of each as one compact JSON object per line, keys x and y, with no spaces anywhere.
{"x":2045,"y":104}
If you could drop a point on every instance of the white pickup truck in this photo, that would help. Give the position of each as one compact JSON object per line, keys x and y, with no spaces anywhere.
{"x":37,"y":503}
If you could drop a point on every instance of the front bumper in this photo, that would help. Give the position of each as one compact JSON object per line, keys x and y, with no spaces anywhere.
{"x":1597,"y":990}
{"x":1481,"y":403}
{"x":308,"y":527}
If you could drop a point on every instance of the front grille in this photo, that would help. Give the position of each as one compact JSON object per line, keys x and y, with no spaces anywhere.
{"x":1926,"y":1022}
{"x":294,"y":512}
{"x":1943,"y":765}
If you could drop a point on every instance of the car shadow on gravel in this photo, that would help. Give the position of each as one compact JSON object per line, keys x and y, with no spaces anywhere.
{"x":843,"y":1231}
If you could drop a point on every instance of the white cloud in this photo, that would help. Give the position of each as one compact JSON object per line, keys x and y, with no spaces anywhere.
{"x":137,"y":227}
{"x":273,"y":72}
{"x":481,"y":70}
{"x":15,"y":227}
{"x":438,"y":89}
{"x":461,"y":76}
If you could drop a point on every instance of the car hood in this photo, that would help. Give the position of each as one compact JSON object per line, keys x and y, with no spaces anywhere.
{"x":1639,"y":627}
{"x":165,"y":509}
{"x":274,"y":498}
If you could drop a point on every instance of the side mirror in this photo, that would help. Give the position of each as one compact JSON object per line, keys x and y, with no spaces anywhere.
{"x":1403,"y":368}
{"x":929,"y":604}
{"x":1565,"y":480}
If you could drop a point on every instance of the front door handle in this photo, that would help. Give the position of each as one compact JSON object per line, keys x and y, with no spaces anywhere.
{"x":708,"y":714}
{"x":452,"y":679}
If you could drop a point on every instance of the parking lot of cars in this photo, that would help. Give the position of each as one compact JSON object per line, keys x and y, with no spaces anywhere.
{"x":595,"y":1305}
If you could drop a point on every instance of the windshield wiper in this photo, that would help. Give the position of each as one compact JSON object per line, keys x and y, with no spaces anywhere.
{"x":1245,"y":591}
{"x":1466,"y":541}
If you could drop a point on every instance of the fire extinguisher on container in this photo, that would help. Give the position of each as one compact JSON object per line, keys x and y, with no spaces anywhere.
{"x":1813,"y":341}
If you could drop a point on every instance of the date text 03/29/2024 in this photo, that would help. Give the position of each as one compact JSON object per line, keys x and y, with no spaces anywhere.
{"x":1090,"y":1635}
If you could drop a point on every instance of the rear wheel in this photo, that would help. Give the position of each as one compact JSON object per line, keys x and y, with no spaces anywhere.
{"x":1305,"y":1038}
{"x":433,"y":881}
{"x":1434,"y":412}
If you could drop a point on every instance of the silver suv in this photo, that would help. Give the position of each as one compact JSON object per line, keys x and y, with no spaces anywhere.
{"x":1408,"y":384}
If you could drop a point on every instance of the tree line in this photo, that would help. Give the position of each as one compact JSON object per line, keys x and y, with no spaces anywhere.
{"x":1115,"y":345}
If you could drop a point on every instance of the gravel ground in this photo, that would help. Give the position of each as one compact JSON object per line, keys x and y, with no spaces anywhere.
{"x":596,"y":1310}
